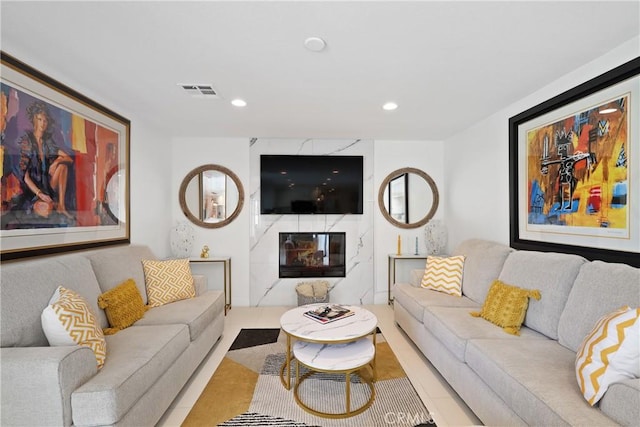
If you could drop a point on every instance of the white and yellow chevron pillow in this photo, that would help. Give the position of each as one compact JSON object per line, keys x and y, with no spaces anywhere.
{"x":69,"y":320}
{"x":168,"y":281}
{"x":610,"y":353}
{"x":444,"y":274}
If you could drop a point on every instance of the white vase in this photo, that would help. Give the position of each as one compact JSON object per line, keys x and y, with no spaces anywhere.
{"x":435,"y":237}
{"x":182,"y":239}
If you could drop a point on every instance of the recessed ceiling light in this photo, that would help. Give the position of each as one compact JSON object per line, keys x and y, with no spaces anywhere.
{"x":608,"y":111}
{"x":389,"y":106}
{"x":239,"y":102}
{"x":315,"y":44}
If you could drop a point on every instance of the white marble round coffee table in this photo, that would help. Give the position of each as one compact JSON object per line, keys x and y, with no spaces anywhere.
{"x":344,"y":347}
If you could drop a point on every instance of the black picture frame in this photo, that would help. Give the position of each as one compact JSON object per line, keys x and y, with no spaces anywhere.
{"x":615,"y":84}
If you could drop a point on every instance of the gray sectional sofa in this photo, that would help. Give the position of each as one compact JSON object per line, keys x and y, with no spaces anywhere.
{"x":147,"y":364}
{"x":528,"y":379}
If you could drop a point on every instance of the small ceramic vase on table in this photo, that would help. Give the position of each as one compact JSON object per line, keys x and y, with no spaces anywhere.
{"x":182,"y":238}
{"x":435,"y":237}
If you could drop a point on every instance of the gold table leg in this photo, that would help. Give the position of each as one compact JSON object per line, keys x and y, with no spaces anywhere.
{"x":286,"y":366}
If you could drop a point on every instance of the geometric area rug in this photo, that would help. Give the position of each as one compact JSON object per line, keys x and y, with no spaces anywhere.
{"x":245,"y":390}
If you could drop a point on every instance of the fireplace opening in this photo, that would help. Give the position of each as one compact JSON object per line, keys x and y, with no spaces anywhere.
{"x":312,"y":255}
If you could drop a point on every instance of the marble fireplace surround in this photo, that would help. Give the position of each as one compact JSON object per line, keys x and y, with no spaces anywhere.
{"x":266,"y":287}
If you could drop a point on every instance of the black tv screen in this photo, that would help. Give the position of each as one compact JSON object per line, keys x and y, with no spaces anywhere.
{"x":303,"y":184}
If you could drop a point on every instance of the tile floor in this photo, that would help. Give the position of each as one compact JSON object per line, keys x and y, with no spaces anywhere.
{"x":446,"y":407}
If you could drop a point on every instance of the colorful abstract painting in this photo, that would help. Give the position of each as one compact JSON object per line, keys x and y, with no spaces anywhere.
{"x":577,"y":169}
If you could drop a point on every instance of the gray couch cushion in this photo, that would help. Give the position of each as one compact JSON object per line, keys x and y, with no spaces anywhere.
{"x":26,"y":288}
{"x":454,"y":326}
{"x":414,"y":299}
{"x":551,"y":273}
{"x":136,"y":358}
{"x":115,"y":265}
{"x":197,"y":313}
{"x":536,"y":378}
{"x":622,"y":402}
{"x":410,"y":298}
{"x":599,"y":289}
{"x":482,"y":265}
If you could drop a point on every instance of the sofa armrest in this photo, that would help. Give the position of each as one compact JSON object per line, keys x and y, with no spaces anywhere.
{"x":37,"y":383}
{"x":622,"y":402}
{"x":200,"y":283}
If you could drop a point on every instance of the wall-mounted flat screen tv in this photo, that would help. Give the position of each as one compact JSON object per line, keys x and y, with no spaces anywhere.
{"x":304,"y":184}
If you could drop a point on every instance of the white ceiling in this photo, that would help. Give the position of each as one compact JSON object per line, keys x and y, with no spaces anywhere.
{"x":447,"y":64}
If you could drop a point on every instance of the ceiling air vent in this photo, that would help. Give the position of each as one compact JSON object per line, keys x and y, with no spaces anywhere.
{"x":199,"y":90}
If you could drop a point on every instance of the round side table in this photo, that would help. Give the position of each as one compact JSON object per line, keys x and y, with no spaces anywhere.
{"x":348,"y":358}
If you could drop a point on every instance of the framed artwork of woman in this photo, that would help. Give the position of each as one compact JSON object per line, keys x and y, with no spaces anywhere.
{"x":59,"y":150}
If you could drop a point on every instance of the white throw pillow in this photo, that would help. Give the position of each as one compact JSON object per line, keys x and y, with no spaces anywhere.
{"x":610,"y":353}
{"x":69,"y":320}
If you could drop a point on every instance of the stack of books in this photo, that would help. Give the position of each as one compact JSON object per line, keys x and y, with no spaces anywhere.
{"x":329,"y":313}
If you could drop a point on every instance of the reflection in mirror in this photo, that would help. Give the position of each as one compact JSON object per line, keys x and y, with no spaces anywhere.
{"x":408,"y":198}
{"x":217,"y":192}
{"x":192,"y":196}
{"x":421,"y":198}
{"x":211,"y":196}
{"x":396,"y":200}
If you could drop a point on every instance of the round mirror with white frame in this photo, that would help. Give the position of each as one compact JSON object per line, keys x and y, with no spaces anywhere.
{"x":211,"y":196}
{"x":408,"y":198}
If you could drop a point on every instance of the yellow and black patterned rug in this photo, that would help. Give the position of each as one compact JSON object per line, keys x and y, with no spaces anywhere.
{"x":246,"y":390}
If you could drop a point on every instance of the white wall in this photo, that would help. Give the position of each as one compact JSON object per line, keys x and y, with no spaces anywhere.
{"x":150,"y":183}
{"x":477,"y":159}
{"x":388,"y":156}
{"x":231,"y":240}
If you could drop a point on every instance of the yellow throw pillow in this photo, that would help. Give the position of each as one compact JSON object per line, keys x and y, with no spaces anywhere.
{"x":123,"y":306}
{"x":168,"y":281}
{"x":609,"y":353}
{"x":506,"y":306}
{"x":69,"y":320}
{"x":444,"y":274}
